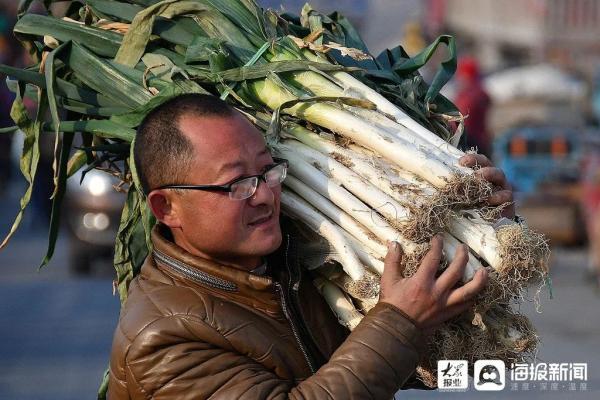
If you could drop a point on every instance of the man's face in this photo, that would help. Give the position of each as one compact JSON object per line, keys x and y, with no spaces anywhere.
{"x":211,"y":224}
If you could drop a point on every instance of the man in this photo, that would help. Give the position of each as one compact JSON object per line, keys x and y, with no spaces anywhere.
{"x":221,"y":308}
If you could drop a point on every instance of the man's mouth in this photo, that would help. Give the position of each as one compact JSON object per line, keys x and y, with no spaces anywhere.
{"x":261,"y":220}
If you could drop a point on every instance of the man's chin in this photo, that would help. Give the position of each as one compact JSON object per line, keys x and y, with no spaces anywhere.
{"x":273,"y":242}
{"x":267,"y":243}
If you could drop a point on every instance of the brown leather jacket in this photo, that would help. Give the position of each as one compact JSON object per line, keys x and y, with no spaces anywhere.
{"x":194,"y":329}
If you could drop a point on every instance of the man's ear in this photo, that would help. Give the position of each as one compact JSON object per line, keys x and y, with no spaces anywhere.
{"x":161,"y":204}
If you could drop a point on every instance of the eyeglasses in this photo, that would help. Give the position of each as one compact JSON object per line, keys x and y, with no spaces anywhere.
{"x":245,"y":186}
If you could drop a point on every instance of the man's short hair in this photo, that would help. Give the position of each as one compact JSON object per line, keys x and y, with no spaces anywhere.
{"x":162,"y":154}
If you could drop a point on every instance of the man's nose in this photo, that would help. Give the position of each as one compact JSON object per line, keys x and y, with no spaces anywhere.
{"x":263,"y":195}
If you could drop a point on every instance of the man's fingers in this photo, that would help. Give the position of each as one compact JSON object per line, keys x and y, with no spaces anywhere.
{"x":500,"y":197}
{"x":455,"y":270}
{"x":474,"y":160}
{"x":447,"y":313}
{"x":469,"y":290}
{"x":431,"y":261}
{"x":495,"y":176}
{"x":458,"y":309}
{"x":392,"y":265}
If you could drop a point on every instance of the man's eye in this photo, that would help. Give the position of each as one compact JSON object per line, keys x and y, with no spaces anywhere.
{"x":234,"y":179}
{"x":239,"y":178}
{"x":267,"y":167}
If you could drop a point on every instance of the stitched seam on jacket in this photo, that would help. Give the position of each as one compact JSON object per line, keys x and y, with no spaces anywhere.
{"x":401,"y":336}
{"x":380,"y":355}
{"x":161,"y":312}
{"x":241,"y":396}
{"x":357,"y":379}
{"x":331,"y":396}
{"x":277,"y":382}
{"x":415,"y":336}
{"x":137,"y":384}
{"x":200,"y":320}
{"x":149,"y":295}
{"x":125,"y":357}
{"x":171,"y":380}
{"x":177,"y":376}
{"x":392,"y":307}
{"x":185,"y":316}
{"x":140,"y":331}
{"x":112,"y":377}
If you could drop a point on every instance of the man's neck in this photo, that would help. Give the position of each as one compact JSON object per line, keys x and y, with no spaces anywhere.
{"x":246,"y":263}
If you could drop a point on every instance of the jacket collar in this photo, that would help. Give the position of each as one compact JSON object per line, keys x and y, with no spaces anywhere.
{"x":221,"y":280}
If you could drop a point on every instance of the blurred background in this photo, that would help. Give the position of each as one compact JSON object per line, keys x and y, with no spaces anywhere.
{"x":528,"y":79}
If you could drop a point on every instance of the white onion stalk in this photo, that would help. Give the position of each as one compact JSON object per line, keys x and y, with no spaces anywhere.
{"x":370,"y":260}
{"x":366,"y":289}
{"x":353,"y":85}
{"x":338,"y":216}
{"x":345,"y":200}
{"x":298,"y":208}
{"x":395,"y":129}
{"x":463,"y":229}
{"x":450,"y":249}
{"x":365,"y":166}
{"x":400,"y":116}
{"x":364,"y":190}
{"x":341,"y":306}
{"x":399,"y":151}
{"x":397,"y":175}
{"x":480,"y":236}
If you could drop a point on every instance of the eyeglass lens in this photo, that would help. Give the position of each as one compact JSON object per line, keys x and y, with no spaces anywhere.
{"x":246,"y":187}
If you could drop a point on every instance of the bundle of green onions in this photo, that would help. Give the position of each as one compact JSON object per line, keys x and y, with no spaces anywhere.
{"x":369,"y":143}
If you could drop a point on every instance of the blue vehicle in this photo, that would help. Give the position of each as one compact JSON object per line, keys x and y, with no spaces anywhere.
{"x":544,"y":164}
{"x":533,"y":155}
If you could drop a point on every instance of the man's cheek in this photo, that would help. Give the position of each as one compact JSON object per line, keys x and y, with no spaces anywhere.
{"x":278,"y":202}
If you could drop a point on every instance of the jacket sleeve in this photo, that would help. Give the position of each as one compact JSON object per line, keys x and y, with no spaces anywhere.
{"x":372,"y":363}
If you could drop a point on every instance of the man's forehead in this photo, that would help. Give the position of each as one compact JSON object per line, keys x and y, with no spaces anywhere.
{"x":223,"y":142}
{"x":238,"y":163}
{"x":234,"y":130}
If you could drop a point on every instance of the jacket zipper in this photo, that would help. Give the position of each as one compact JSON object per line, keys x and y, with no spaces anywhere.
{"x":286,"y":312}
{"x":195,"y":275}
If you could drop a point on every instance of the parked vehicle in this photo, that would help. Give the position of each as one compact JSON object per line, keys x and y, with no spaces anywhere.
{"x":93,"y":218}
{"x":543,"y":163}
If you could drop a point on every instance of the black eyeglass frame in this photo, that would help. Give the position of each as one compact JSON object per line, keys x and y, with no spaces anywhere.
{"x":227,"y":187}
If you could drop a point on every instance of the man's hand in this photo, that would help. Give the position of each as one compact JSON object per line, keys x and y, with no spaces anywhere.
{"x":428,"y":300}
{"x":496,"y":177}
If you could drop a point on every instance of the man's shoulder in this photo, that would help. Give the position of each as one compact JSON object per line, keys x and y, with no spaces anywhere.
{"x":150,"y":301}
{"x":158,"y":314}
